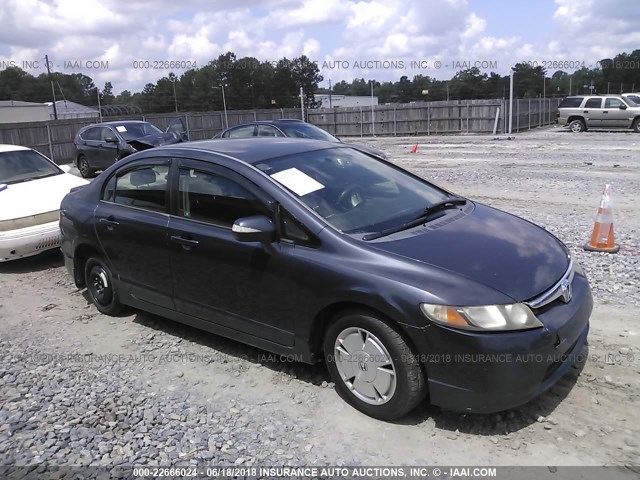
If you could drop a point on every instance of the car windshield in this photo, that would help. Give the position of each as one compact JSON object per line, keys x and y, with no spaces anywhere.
{"x":305,"y":130}
{"x":352,"y":191}
{"x":133,"y":131}
{"x":24,"y":165}
{"x":634,"y":100}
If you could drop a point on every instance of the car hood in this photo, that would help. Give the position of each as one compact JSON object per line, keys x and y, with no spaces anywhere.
{"x":488,"y":246}
{"x":36,"y":196}
{"x":156,"y":140}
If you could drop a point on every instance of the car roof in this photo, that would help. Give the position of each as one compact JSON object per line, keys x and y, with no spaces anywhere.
{"x":115,"y":122}
{"x":598,"y":95}
{"x":277,"y":121}
{"x":11,"y":148}
{"x":254,"y":150}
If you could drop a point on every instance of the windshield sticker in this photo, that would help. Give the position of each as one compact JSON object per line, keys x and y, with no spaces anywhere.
{"x":121,"y":129}
{"x":298,"y":181}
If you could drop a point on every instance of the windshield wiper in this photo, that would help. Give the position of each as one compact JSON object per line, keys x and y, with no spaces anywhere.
{"x":37,"y":177}
{"x":420,"y":219}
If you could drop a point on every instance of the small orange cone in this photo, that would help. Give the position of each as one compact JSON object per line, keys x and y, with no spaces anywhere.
{"x":414,"y":149}
{"x":602,"y":238}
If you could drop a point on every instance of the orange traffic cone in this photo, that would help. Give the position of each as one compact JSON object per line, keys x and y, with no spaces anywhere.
{"x":602,"y":238}
{"x":414,"y":149}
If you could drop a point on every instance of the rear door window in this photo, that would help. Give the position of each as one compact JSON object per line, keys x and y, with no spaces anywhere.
{"x":91,"y":134}
{"x":143,"y":187}
{"x":268,"y":131}
{"x":243,"y":132}
{"x":593,"y":103}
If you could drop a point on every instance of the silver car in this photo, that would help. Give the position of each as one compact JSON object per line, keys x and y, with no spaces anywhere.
{"x":599,"y":111}
{"x":634,"y":97}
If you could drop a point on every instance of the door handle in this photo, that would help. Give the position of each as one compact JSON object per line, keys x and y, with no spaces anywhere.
{"x":185,"y":242}
{"x":606,"y":111}
{"x":109,"y":222}
{"x":585,"y":111}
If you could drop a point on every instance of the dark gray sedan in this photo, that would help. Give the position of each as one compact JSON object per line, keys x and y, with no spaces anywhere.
{"x":319,"y":252}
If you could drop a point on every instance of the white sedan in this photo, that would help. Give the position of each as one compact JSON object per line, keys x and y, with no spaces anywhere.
{"x":31,"y":189}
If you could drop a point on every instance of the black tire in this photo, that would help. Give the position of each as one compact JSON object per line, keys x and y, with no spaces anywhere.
{"x":85,"y":168}
{"x":636,"y":125}
{"x":410,"y":385}
{"x":577,"y":126}
{"x":100,"y":287}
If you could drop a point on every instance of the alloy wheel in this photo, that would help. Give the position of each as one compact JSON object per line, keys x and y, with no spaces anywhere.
{"x":365,"y":365}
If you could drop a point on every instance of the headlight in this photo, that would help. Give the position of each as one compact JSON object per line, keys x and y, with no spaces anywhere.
{"x":483,"y":318}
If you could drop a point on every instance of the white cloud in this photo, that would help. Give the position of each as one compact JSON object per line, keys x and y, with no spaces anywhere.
{"x":310,"y":12}
{"x":345,"y":30}
{"x":474,"y":26}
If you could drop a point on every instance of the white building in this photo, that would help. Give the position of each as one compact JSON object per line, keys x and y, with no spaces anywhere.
{"x":15,"y":111}
{"x":67,"y":110}
{"x":338,"y":101}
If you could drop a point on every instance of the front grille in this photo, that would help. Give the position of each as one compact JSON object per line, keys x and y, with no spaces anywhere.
{"x":47,"y":243}
{"x":556,"y":292}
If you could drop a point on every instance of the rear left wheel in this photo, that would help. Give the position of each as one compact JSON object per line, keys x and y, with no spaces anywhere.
{"x":636,"y":125}
{"x":85,"y":169}
{"x":101,"y":288}
{"x":372,"y":366}
{"x":577,"y":126}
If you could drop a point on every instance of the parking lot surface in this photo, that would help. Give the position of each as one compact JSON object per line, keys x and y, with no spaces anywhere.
{"x":77,"y":387}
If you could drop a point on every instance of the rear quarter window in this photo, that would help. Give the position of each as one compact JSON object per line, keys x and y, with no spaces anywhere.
{"x":572,"y":102}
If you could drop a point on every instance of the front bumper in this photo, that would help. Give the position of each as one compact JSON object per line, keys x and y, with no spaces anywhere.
{"x":491,"y":372}
{"x":25,"y":242}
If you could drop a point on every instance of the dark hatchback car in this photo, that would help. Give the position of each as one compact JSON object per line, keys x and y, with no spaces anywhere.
{"x":100,"y":145}
{"x":289,"y":127}
{"x":318,"y":251}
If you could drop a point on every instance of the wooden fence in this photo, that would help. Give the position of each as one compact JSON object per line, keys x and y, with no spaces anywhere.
{"x":55,"y":138}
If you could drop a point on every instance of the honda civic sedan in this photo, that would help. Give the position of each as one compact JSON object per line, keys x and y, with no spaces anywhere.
{"x":320,"y":252}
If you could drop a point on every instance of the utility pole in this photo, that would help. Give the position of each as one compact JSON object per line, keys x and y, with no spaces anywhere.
{"x":224,"y":105}
{"x":569,"y":85}
{"x":302,"y":103}
{"x":510,"y":101}
{"x":447,"y":91}
{"x":373,"y":123}
{"x":99,"y":106}
{"x":53,"y":91}
{"x":330,"y":103}
{"x":175,"y":97}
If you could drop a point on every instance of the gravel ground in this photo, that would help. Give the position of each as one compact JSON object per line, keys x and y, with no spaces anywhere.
{"x":80,"y":388}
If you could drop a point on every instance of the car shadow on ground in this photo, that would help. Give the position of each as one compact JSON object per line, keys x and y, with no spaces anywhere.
{"x":475,"y":424}
{"x":223,"y":347}
{"x":37,"y":263}
{"x":501,"y":423}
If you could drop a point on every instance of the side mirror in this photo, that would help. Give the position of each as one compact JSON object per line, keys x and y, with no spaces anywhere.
{"x":623,"y":107}
{"x":111,"y":140}
{"x":254,"y":229}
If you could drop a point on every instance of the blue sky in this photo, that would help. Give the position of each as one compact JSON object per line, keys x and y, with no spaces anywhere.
{"x":495,"y":33}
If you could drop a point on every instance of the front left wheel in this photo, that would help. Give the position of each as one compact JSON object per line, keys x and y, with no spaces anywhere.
{"x":372,"y":366}
{"x":100,"y":286}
